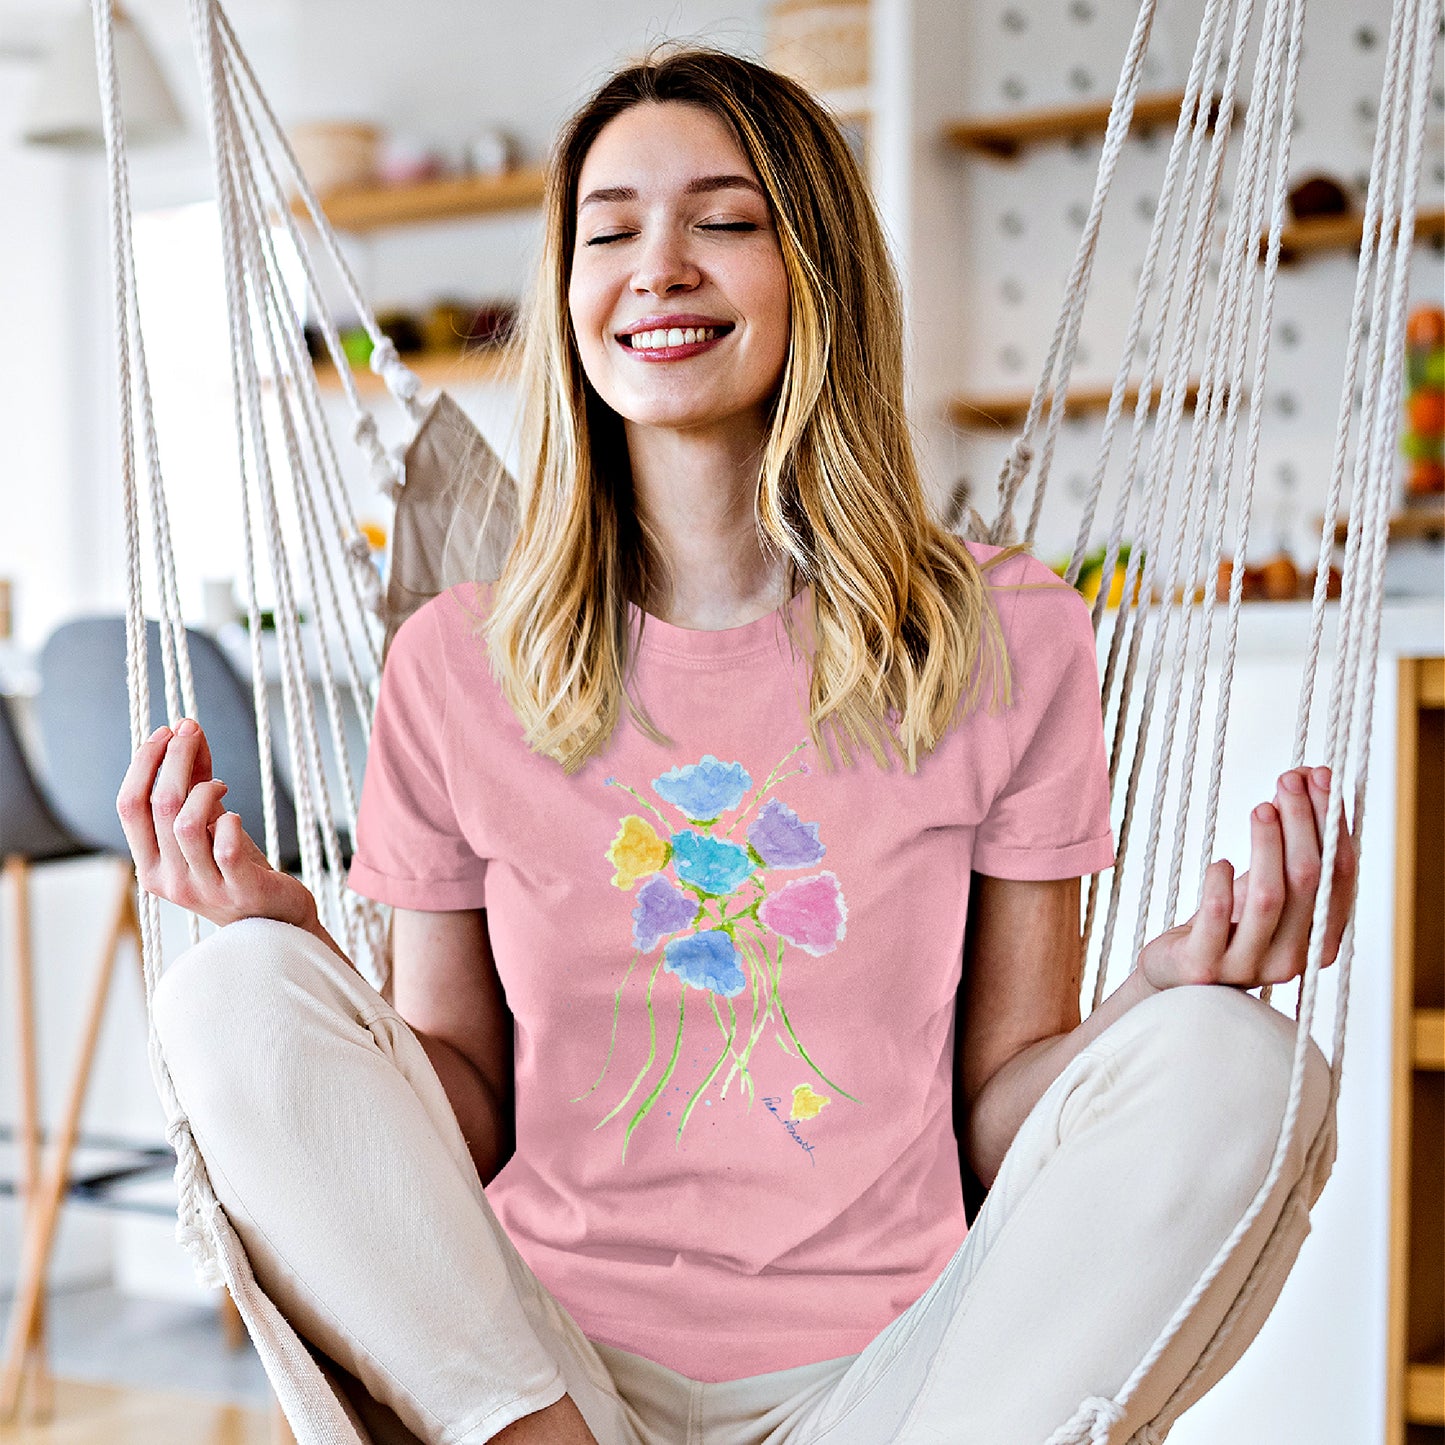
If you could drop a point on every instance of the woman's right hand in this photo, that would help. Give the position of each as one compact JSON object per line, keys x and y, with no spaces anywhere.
{"x":188,"y":849}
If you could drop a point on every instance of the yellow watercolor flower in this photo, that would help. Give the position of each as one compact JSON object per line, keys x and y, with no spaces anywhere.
{"x":637,"y":852}
{"x":807,"y":1104}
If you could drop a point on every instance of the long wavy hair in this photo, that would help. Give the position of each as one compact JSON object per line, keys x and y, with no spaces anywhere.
{"x":903,"y":629}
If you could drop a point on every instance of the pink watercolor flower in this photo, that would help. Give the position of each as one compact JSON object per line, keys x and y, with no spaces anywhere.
{"x":808,"y":912}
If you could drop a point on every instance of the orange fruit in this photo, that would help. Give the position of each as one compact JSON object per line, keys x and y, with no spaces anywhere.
{"x":1426,"y":477}
{"x":1426,"y":327}
{"x":1427,"y":411}
{"x":1281,"y":578}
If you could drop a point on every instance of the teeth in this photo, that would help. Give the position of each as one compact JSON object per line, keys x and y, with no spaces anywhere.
{"x":672,"y":336}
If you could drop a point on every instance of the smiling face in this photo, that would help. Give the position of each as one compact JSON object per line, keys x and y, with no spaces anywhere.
{"x":678,"y":293}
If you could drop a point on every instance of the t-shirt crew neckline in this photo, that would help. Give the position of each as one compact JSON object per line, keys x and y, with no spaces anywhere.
{"x":711,"y":645}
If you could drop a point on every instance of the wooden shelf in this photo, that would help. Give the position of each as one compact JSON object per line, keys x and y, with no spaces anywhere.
{"x":1415,"y":1316}
{"x":447,"y":368}
{"x":979,"y":411}
{"x":1430,"y":683}
{"x":1429,"y":1047}
{"x":1413,"y":524}
{"x":1425,"y":1394}
{"x":451,"y":198}
{"x":1003,"y":136}
{"x":1341,"y":233}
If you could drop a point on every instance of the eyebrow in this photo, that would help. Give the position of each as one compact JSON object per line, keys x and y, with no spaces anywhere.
{"x":703,"y":185}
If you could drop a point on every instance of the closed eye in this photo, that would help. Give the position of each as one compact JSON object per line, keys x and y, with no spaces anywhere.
{"x":610,"y":236}
{"x":728,"y":226}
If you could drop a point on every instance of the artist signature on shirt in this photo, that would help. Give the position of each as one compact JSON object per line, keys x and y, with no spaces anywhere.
{"x":772,"y":1101}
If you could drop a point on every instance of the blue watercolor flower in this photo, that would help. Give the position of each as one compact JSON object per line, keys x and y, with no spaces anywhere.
{"x":781,"y":840}
{"x":706,"y":960}
{"x":661,"y":909}
{"x":704,"y":790}
{"x":711,"y":864}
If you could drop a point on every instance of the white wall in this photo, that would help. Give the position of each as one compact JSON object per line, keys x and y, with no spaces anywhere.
{"x":989,"y":244}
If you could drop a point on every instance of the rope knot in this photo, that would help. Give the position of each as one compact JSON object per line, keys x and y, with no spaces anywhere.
{"x":365,"y":574}
{"x":400,"y":380}
{"x":1091,"y":1424}
{"x":385,"y":476}
{"x":1020,"y":454}
{"x":1107,"y":1414}
{"x":191,"y":1232}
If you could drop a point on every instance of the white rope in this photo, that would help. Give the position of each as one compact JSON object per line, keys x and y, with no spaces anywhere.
{"x":1065,"y":339}
{"x":399,"y":380}
{"x":191,"y":1181}
{"x":1160,"y":466}
{"x":1229,"y":306}
{"x":1207,"y":58}
{"x":300,"y":375}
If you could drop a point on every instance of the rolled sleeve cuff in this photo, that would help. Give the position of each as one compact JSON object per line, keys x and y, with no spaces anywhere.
{"x":1073,"y":861}
{"x":433,"y":895}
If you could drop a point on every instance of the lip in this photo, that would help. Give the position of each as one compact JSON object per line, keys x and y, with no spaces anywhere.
{"x":677,"y":320}
{"x":668,"y":320}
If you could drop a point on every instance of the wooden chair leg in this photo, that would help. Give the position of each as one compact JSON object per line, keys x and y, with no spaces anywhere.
{"x":17,"y":879}
{"x":233,"y":1327}
{"x":38,"y":1234}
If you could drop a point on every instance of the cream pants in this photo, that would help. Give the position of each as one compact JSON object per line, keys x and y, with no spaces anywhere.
{"x":332,"y":1147}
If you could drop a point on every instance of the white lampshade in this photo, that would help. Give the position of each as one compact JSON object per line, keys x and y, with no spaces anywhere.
{"x":65,"y":109}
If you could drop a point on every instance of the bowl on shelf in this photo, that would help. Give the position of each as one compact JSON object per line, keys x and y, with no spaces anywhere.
{"x":337,"y":155}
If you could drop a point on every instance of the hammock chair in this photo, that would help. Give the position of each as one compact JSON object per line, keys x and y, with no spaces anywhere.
{"x":447,"y":474}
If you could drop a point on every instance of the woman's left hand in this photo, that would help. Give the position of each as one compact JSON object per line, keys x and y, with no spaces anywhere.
{"x":1255,"y":929}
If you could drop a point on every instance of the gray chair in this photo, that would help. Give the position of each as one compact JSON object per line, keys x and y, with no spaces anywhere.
{"x":83,"y":712}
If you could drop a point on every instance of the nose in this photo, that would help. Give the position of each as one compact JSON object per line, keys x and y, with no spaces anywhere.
{"x":664,"y":266}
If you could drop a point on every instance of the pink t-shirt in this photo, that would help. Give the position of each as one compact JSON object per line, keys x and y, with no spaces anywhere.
{"x":733,"y":973}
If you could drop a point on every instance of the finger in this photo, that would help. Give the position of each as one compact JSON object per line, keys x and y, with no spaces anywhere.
{"x":133,"y":801}
{"x":1244,"y":959}
{"x":1301,"y":872}
{"x":234,"y":849}
{"x":201,"y":764}
{"x":1346,"y":862}
{"x":1209,"y":931}
{"x":193,"y":832}
{"x":172,"y":788}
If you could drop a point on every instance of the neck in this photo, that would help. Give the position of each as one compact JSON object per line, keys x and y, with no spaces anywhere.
{"x":697,"y":493}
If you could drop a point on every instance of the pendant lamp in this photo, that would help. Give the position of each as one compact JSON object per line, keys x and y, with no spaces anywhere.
{"x":65,"y":108}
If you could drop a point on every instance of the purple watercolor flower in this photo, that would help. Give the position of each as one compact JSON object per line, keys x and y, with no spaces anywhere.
{"x":706,"y":960}
{"x":809,"y":912}
{"x":781,"y":840}
{"x":660,"y":909}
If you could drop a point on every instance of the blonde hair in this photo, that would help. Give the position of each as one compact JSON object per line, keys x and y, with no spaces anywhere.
{"x":901,"y":617}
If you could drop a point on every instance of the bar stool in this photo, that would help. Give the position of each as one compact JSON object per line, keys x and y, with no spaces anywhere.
{"x":30,"y":835}
{"x":82,"y":713}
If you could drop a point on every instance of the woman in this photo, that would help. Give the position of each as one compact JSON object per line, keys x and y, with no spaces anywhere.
{"x":710,"y":967}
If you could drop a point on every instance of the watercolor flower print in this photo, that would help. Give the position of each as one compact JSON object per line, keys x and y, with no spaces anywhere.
{"x":724,"y":888}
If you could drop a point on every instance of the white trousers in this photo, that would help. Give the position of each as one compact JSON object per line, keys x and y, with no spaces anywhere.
{"x":332,"y":1147}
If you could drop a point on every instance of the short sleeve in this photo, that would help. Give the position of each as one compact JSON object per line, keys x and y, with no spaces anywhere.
{"x":410,"y":849}
{"x":1050,"y":819}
